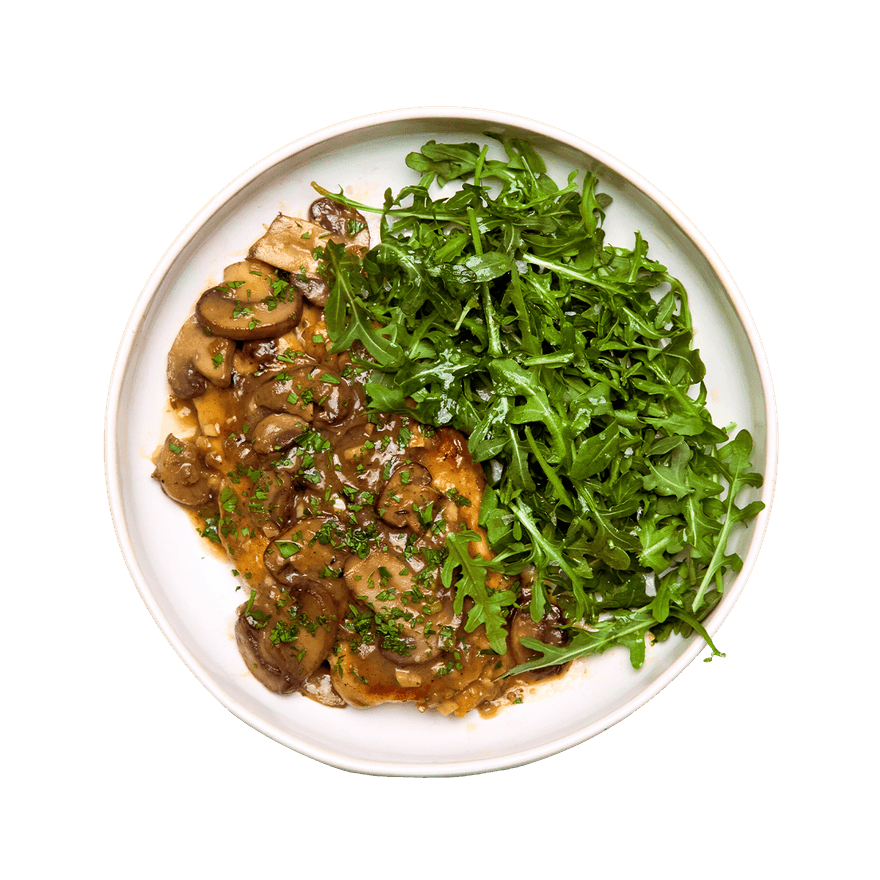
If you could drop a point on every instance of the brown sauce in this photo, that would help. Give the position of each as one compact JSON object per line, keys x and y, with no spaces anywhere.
{"x":335,"y":518}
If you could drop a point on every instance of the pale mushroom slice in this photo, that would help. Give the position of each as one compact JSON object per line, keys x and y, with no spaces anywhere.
{"x":295,"y":245}
{"x":416,"y":620}
{"x":290,"y":244}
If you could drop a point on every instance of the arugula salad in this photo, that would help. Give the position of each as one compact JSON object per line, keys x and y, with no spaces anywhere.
{"x":569,"y":364}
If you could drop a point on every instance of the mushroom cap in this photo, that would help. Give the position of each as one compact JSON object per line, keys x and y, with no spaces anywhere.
{"x":342,"y":220}
{"x":407,"y":494}
{"x":196,"y":358}
{"x":283,"y":646}
{"x":277,"y":432}
{"x":228,"y":313}
{"x":306,"y":548}
{"x":412,"y":611}
{"x":290,"y":244}
{"x":181,"y":474}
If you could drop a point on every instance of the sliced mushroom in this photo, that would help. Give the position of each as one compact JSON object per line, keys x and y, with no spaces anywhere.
{"x":260,"y":351}
{"x":334,"y":586}
{"x":282,"y":393}
{"x":259,"y":279}
{"x":181,"y":474}
{"x":290,"y":244}
{"x":300,"y":392}
{"x":277,"y":432}
{"x":196,"y":358}
{"x":238,"y":448}
{"x":342,"y":220}
{"x":221,"y":311}
{"x":251,"y":303}
{"x":416,"y":623}
{"x":309,"y":547}
{"x":333,"y":396}
{"x":315,"y":290}
{"x":278,"y":504}
{"x":282,"y":648}
{"x":408,"y":501}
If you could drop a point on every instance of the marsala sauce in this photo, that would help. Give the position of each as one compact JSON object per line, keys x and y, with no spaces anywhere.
{"x":359,"y":504}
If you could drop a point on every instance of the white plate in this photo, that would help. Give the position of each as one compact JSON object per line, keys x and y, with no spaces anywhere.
{"x":192,"y":595}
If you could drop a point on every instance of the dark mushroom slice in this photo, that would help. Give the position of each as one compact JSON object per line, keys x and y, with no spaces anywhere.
{"x":181,"y":474}
{"x":196,"y":358}
{"x":260,"y":351}
{"x":408,"y":501}
{"x":312,"y":394}
{"x":277,"y":432}
{"x":310,"y":547}
{"x":277,"y":505}
{"x":238,"y":448}
{"x":367,"y":454}
{"x":282,"y":393}
{"x":283,"y":647}
{"x":222,"y":310}
{"x":342,"y":220}
{"x":334,"y":397}
{"x":253,"y":302}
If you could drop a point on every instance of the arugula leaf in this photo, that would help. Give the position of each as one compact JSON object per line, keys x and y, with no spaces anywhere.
{"x":627,"y":628}
{"x":596,"y":453}
{"x":346,"y":318}
{"x":569,"y":362}
{"x":735,"y":459}
{"x":489,"y":604}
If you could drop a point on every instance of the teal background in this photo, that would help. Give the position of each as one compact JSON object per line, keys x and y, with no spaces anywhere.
{"x":123,"y":121}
